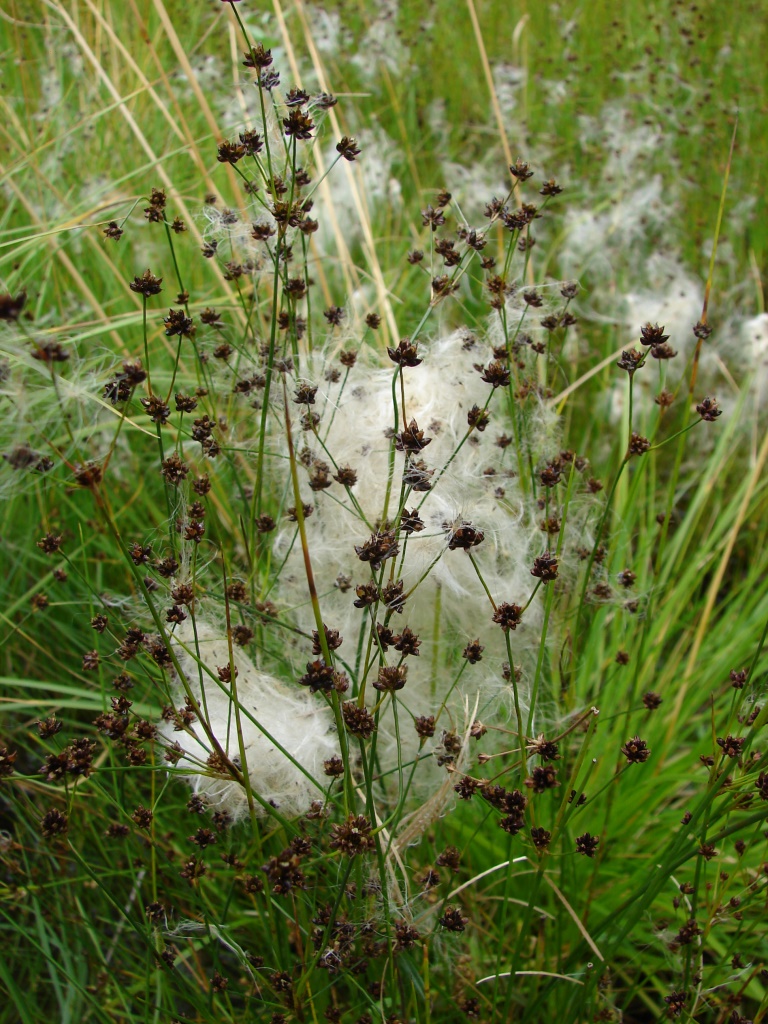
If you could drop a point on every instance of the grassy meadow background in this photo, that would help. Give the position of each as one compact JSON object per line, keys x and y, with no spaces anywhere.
{"x":632,"y":107}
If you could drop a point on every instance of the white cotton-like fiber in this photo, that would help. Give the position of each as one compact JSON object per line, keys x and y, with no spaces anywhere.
{"x":450,"y":607}
{"x":301,"y":724}
{"x":753,"y":345}
{"x":674,"y":299}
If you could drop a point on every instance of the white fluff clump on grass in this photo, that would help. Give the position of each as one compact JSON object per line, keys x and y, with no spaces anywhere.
{"x":300,"y":724}
{"x":476,"y":485}
{"x":596,"y":234}
{"x":754,"y":343}
{"x":674,"y":299}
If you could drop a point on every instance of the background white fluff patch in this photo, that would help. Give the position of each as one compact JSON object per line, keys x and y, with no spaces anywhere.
{"x":300,"y":723}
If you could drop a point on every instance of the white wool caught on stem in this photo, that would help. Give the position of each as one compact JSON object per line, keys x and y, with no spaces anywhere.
{"x":475,"y":485}
{"x":301,"y":725}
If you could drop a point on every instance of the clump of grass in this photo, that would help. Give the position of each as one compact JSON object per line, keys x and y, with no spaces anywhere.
{"x":405,"y":688}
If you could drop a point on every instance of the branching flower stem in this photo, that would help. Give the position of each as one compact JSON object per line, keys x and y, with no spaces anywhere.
{"x":323,"y":640}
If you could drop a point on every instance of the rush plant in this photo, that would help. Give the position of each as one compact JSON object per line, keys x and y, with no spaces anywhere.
{"x":364,"y":663}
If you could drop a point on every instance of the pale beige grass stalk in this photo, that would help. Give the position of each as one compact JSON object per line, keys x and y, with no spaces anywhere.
{"x":69,"y":266}
{"x":369,"y":245}
{"x":120,"y":101}
{"x":184,"y":62}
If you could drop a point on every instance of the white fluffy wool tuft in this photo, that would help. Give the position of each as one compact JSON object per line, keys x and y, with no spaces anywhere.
{"x":303,"y":726}
{"x":479,"y":487}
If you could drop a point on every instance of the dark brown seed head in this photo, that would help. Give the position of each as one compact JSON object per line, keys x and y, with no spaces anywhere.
{"x":174,"y":470}
{"x":334,"y":315}
{"x":333,"y":767}
{"x":587,"y":844}
{"x":305,"y":394}
{"x":631,"y":360}
{"x":147,"y":284}
{"x":367,"y":594}
{"x":411,"y":522}
{"x":541,"y":838}
{"x":230,"y":152}
{"x":393,"y":597}
{"x":7,"y":761}
{"x":453,"y":920}
{"x":156,"y":409}
{"x":411,"y":439}
{"x":319,"y":676}
{"x":496,"y":374}
{"x":708,"y":409}
{"x":546,"y":749}
{"x":449,"y":858}
{"x":346,"y":476}
{"x":663,"y":352}
{"x":463,"y":537}
{"x":466,"y":788}
{"x":391,"y":678}
{"x":520,"y":170}
{"x":542,"y":778}
{"x":49,"y":727}
{"x":406,"y":936}
{"x":298,"y":125}
{"x":348,"y":148}
{"x":378,"y":548}
{"x":636,"y":750}
{"x":731,"y":746}
{"x":545,"y":567}
{"x":203,"y":837}
{"x":49,"y":352}
{"x":738,"y":678}
{"x":638,"y":445}
{"x":258,"y":57}
{"x":425,"y":726}
{"x":477,"y":418}
{"x":508,"y":616}
{"x":11,"y":306}
{"x":433,"y":217}
{"x":178,"y":324}
{"x":675,"y":1002}
{"x":54,"y":823}
{"x":652,"y":334}
{"x":551,"y":473}
{"x":50,"y":543}
{"x":406,"y":353}
{"x":473,"y":652}
{"x":407,"y":642}
{"x":358,"y":720}
{"x":142,"y":817}
{"x":353,"y":836}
